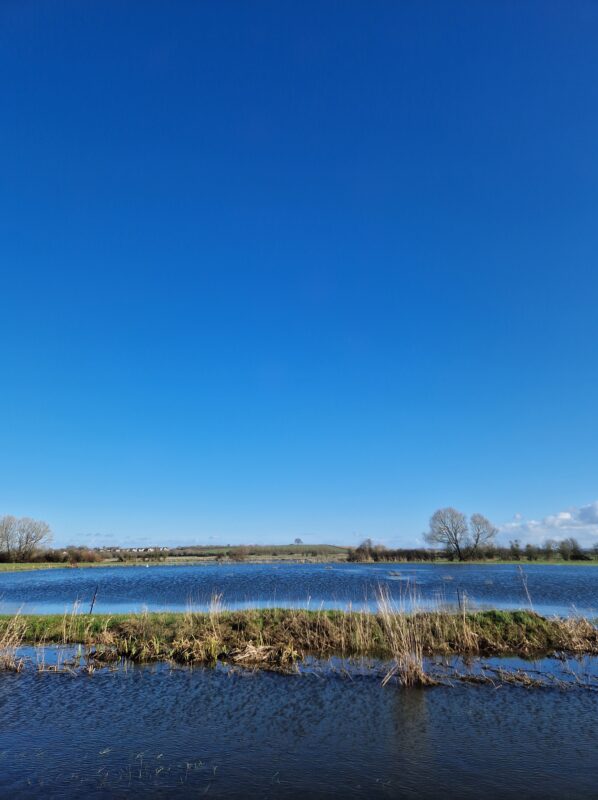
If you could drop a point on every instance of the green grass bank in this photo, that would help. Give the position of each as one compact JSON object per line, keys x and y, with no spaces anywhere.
{"x":279,"y":637}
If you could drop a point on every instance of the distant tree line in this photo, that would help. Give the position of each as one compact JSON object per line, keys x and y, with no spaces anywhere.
{"x":567,"y":550}
{"x":27,"y":540}
{"x":240,"y":552}
{"x":68,"y":555}
{"x":461,"y":539}
{"x":368,"y":551}
{"x":455,"y":537}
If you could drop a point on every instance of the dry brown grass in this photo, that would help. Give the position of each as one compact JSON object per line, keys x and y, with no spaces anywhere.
{"x":279,"y":638}
{"x":11,"y":639}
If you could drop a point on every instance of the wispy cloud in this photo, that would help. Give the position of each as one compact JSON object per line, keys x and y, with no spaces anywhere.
{"x":581,"y":523}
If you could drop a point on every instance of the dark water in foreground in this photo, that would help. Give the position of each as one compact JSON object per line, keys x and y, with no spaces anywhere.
{"x":157,"y":731}
{"x":194,"y":733}
{"x":553,"y":589}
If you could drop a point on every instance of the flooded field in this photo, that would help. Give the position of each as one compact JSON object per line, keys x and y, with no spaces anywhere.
{"x":233,"y":733}
{"x":501,"y":727}
{"x":562,"y":590}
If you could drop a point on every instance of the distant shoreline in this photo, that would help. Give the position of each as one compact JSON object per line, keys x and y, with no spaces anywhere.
{"x":198,"y":561}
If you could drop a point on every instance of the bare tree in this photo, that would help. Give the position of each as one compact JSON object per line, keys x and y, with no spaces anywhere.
{"x":20,"y":537}
{"x":461,"y":538}
{"x":367,"y":544}
{"x":570,"y":549}
{"x":482,"y":532}
{"x":8,"y":536}
{"x":551,"y":547}
{"x":30,"y":534}
{"x":449,"y":528}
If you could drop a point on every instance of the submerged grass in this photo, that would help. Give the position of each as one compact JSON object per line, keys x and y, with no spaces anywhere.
{"x":278,"y":638}
{"x":12,"y":633}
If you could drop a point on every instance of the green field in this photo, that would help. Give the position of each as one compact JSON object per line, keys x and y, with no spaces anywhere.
{"x":310,"y":554}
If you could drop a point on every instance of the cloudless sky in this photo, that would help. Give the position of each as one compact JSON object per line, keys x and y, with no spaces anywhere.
{"x":279,"y":269}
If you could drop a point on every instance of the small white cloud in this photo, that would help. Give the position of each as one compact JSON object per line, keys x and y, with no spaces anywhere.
{"x":589,"y":514}
{"x":580,"y":523}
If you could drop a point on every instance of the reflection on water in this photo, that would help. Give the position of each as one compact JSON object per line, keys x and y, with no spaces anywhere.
{"x":553,"y":589}
{"x":154,"y":730}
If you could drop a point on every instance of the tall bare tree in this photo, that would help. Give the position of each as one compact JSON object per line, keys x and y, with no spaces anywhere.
{"x":8,"y":536}
{"x":19,"y":538}
{"x":30,"y":534}
{"x":461,"y":538}
{"x":448,"y":527}
{"x":482,"y":532}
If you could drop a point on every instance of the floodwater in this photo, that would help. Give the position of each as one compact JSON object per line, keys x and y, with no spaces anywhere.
{"x":561,"y":590}
{"x":158,"y":731}
{"x":324,"y":732}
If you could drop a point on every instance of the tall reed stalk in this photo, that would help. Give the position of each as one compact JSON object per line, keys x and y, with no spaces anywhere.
{"x":11,"y":639}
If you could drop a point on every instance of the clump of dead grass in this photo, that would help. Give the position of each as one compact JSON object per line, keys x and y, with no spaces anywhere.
{"x":281,"y":638}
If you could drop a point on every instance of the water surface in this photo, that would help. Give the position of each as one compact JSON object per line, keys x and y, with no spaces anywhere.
{"x":155,"y":731}
{"x":558,"y":590}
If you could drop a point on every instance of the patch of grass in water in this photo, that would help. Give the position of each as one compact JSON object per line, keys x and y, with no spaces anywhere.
{"x":279,"y":638}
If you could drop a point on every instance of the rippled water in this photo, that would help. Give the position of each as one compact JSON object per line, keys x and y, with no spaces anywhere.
{"x":156,"y":731}
{"x":553,"y":589}
{"x":223,"y":732}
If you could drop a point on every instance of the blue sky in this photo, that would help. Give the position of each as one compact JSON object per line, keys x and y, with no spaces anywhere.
{"x":298,"y":269}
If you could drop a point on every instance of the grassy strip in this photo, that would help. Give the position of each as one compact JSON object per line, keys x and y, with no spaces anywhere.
{"x":276,"y":550}
{"x":281,"y":636}
{"x":37,"y":565}
{"x":171,"y":561}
